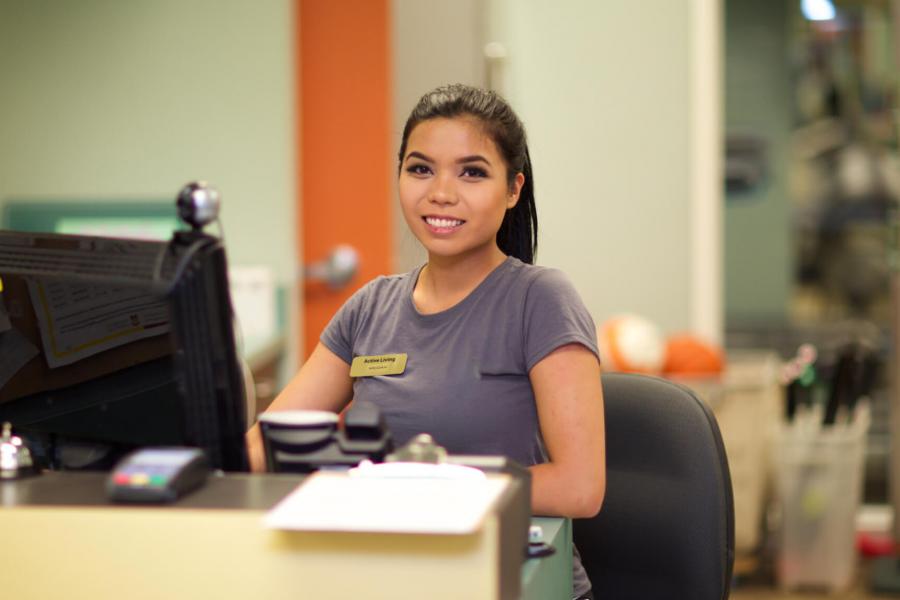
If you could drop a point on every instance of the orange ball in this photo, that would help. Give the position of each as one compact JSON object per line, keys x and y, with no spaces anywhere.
{"x":688,"y":355}
{"x":631,"y":343}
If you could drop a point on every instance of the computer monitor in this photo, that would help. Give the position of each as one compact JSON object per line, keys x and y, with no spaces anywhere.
{"x":110,"y":344}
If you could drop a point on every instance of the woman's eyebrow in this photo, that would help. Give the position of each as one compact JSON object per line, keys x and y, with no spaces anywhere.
{"x":465,"y":159}
{"x":418,"y":155}
{"x":474,"y":158}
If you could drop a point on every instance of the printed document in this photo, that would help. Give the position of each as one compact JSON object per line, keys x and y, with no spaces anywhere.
{"x":80,"y":320}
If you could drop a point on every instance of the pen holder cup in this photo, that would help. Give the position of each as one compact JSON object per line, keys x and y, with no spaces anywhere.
{"x":819,"y":479}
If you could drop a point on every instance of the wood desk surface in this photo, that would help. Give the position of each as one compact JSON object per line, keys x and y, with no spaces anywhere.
{"x":234,"y":491}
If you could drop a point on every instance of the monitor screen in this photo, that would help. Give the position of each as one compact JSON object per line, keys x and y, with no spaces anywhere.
{"x":109,"y":344}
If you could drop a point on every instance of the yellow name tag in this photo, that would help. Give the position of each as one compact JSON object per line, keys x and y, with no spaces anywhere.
{"x":384,"y":364}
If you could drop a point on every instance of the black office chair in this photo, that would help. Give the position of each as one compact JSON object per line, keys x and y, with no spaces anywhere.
{"x":666,"y":529}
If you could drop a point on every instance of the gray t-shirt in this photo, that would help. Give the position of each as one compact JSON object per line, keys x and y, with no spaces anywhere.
{"x":466,"y":378}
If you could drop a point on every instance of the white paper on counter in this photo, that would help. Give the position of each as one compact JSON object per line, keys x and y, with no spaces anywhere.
{"x":332,"y":501}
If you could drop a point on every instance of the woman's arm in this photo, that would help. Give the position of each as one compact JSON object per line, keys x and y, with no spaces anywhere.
{"x":569,"y":401}
{"x":323,"y":383}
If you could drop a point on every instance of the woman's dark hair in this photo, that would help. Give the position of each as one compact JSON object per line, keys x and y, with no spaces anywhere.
{"x":518,"y":232}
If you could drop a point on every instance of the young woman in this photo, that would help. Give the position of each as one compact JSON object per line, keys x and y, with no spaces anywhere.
{"x":501,"y":354}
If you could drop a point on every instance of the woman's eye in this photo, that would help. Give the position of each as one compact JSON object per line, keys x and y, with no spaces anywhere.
{"x":418,"y":169}
{"x":474,"y":172}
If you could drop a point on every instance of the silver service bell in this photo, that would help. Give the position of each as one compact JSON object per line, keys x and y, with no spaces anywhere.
{"x":15,"y":457}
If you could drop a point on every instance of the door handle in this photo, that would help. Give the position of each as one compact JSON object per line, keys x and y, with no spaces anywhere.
{"x":335,"y":270}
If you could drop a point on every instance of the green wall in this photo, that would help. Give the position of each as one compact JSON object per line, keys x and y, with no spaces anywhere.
{"x":130,"y":100}
{"x":757,"y":268}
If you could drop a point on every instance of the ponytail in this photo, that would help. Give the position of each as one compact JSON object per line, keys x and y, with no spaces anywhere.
{"x":518,"y":233}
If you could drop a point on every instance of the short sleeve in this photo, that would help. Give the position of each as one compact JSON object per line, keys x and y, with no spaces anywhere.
{"x":340,"y":333}
{"x":555,"y":316}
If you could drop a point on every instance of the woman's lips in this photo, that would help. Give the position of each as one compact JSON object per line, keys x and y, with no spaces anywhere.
{"x":442,"y":224}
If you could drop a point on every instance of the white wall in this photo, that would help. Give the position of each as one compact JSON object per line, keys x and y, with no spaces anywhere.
{"x":435,"y":42}
{"x":621,"y":101}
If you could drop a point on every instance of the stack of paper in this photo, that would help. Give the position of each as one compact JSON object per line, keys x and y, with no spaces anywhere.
{"x":332,"y":501}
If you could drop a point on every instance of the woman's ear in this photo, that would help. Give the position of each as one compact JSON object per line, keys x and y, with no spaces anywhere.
{"x":514,"y":190}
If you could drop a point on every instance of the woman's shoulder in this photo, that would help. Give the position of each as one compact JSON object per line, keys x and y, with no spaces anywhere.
{"x":388,"y":283}
{"x":541,"y":288}
{"x":536,"y":277}
{"x":383,"y":288}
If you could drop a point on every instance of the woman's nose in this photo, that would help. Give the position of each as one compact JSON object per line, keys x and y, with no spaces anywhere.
{"x":442,"y":191}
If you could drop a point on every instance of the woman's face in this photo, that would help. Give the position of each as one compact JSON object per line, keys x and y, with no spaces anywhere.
{"x":453,"y":187}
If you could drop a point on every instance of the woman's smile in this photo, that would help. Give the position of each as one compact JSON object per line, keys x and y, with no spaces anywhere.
{"x":442,"y":225}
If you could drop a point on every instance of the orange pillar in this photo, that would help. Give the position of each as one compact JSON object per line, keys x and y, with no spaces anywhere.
{"x":344,"y":163}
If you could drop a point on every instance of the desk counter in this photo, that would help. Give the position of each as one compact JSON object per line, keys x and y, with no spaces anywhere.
{"x":62,"y":538}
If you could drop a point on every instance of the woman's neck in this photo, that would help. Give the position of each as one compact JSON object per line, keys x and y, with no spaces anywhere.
{"x":446,"y":281}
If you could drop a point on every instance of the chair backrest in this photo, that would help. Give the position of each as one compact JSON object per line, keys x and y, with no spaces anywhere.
{"x":666,"y":529}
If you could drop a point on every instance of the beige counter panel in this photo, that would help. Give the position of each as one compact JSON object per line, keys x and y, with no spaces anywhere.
{"x":102,"y":552}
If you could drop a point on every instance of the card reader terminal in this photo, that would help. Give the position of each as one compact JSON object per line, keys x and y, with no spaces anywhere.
{"x":156,"y":475}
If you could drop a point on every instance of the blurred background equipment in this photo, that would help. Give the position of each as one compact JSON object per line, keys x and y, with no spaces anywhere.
{"x":807,"y":250}
{"x":745,"y":162}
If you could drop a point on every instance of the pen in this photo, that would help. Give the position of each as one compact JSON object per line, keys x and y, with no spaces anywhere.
{"x":842,"y":385}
